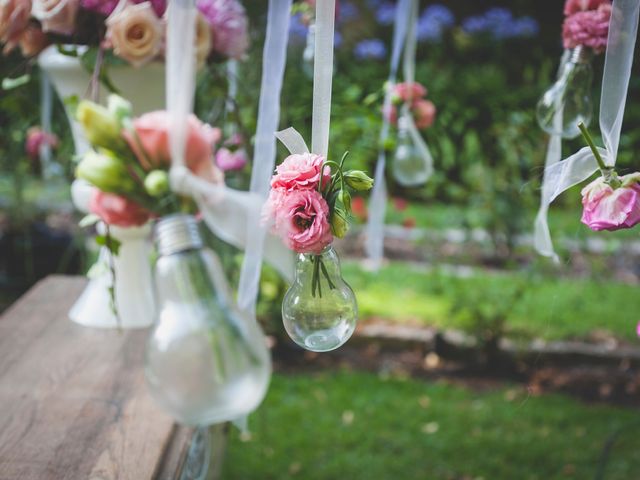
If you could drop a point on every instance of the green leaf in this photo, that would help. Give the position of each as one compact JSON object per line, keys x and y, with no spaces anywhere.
{"x":11,"y":83}
{"x":113,"y":244}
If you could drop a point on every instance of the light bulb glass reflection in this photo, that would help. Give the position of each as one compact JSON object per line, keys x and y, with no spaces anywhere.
{"x":205,"y":362}
{"x":411,"y":165}
{"x":326,"y":320}
{"x":568,"y":101}
{"x":309,"y":51}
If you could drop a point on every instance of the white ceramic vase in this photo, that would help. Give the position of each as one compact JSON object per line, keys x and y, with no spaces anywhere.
{"x":145,"y":88}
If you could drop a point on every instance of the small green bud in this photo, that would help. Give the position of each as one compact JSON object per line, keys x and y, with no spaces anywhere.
{"x":389,"y":144}
{"x":345,"y":199}
{"x":156,"y":183}
{"x":101,"y":127}
{"x":358,"y":180}
{"x":339,"y":224}
{"x":120,"y":107}
{"x":105,"y":172}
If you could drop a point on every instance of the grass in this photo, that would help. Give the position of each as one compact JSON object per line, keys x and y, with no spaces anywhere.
{"x":360,"y":426}
{"x":550,"y":308}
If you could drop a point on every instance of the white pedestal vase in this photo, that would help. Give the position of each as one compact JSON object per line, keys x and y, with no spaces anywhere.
{"x":145,"y":88}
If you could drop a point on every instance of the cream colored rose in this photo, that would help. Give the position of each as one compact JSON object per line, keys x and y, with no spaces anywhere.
{"x":135,"y":32}
{"x":203,"y":40}
{"x":56,"y":16}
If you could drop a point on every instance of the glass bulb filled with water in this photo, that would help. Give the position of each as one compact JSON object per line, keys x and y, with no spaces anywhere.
{"x":206,"y":362}
{"x":412,"y":164}
{"x":568,"y":101}
{"x":319,"y":310}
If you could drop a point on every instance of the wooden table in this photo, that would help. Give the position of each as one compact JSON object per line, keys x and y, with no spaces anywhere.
{"x":73,"y":402}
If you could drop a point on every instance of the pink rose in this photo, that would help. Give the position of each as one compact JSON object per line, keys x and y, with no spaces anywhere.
{"x":424,"y":113}
{"x":135,"y":32}
{"x":299,"y":172}
{"x":227,"y":160}
{"x":407,"y":92}
{"x":116,"y":210}
{"x":57,"y":16}
{"x":36,"y":138}
{"x":33,"y":41}
{"x":229,"y":26}
{"x":106,"y":7}
{"x":152,"y":133}
{"x":606,"y":208}
{"x":575,"y":6}
{"x":302,"y":221}
{"x":589,"y":28}
{"x":14,"y":18}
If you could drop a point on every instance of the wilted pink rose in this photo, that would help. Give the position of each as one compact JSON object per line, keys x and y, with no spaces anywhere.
{"x":299,"y":172}
{"x":606,"y":208}
{"x":152,"y":133}
{"x":575,"y":6}
{"x":14,"y":18}
{"x":407,"y":92}
{"x":57,"y":16}
{"x":135,"y":32}
{"x":589,"y":28}
{"x":116,"y":210}
{"x":228,"y":160}
{"x":32,"y":41}
{"x":36,"y":138}
{"x":424,"y":113}
{"x":229,"y":26}
{"x":302,"y":221}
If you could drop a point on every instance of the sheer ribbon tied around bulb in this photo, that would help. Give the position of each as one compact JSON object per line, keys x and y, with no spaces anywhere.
{"x":562,"y":175}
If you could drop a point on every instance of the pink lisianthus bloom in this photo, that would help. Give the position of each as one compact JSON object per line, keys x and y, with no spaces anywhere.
{"x":589,"y":28}
{"x":299,"y":172}
{"x":229,"y":26}
{"x":228,"y":160}
{"x":116,"y":210}
{"x":106,"y":7}
{"x":407,"y":92}
{"x":575,"y":6}
{"x":302,"y":220}
{"x":606,"y":208}
{"x":151,"y":143}
{"x":36,"y":138}
{"x":424,"y":113}
{"x":14,"y":19}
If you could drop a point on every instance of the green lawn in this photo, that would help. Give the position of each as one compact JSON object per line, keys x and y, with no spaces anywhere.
{"x":551,"y":308}
{"x":358,"y":426}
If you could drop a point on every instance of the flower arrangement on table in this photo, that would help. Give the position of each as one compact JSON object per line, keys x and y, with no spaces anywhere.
{"x":132,"y":30}
{"x":130,"y":163}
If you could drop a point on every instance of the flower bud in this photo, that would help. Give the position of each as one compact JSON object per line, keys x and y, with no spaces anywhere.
{"x":339,"y":224}
{"x":105,"y":172}
{"x":119,"y":107}
{"x":358,"y":180}
{"x":156,"y":183}
{"x":345,"y":199}
{"x":101,"y":127}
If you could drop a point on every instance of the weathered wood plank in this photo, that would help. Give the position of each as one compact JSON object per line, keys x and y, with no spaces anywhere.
{"x":73,"y":403}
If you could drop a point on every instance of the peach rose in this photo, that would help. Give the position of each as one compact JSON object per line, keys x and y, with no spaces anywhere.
{"x":424,"y":113}
{"x":56,"y":16}
{"x":135,"y":32}
{"x":33,"y":41}
{"x":14,"y":18}
{"x":116,"y":210}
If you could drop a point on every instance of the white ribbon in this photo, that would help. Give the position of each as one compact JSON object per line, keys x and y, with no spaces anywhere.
{"x":273,"y":64}
{"x":374,"y":243}
{"x":563,"y":175}
{"x":225,"y":211}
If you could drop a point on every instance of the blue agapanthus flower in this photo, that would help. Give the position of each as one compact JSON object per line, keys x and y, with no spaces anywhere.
{"x":348,"y":12}
{"x":385,"y":13}
{"x":297,"y":29}
{"x":370,"y":49}
{"x":500,"y":24}
{"x":434,"y":20}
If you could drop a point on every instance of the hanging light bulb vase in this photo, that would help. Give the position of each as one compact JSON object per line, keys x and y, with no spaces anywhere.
{"x":411,"y":165}
{"x":319,"y":310}
{"x":309,"y":51}
{"x":205,"y":363}
{"x":568,"y":102}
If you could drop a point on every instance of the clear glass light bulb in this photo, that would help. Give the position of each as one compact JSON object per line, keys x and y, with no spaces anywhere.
{"x":410,"y":167}
{"x":205,"y":362}
{"x":568,"y":101}
{"x":324,"y":319}
{"x":309,"y":52}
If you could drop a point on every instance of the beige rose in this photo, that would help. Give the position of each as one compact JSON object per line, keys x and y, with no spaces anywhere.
{"x":14,"y":18}
{"x":57,"y":16}
{"x":203,"y":40}
{"x":33,"y":41}
{"x":135,"y":32}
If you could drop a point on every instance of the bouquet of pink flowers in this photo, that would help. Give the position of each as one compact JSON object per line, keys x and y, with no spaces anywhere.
{"x":133,"y":30}
{"x":586,"y":24}
{"x":412,"y":95}
{"x":130,"y":163}
{"x":310,"y":203}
